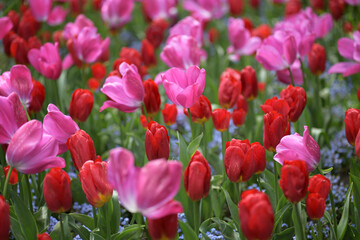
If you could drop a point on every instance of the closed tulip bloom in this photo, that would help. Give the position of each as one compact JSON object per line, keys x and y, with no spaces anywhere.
{"x":93,"y":178}
{"x":275,"y":126}
{"x":169,"y":114}
{"x":255,"y":3}
{"x":13,"y":175}
{"x":200,"y":111}
{"x":294,"y":180}
{"x":262,"y":31}
{"x":197,"y":177}
{"x":188,"y":26}
{"x":156,"y":141}
{"x":116,"y":13}
{"x":256,"y":215}
{"x":292,"y":7}
{"x":337,"y":8}
{"x":259,"y":157}
{"x":206,"y":10}
{"x":57,"y":191}
{"x":296,"y":99}
{"x":184,"y":87}
{"x":319,"y":184}
{"x":82,"y":101}
{"x":81,"y":148}
{"x":238,"y":117}
{"x":159,"y":9}
{"x":357,"y":145}
{"x":352,"y":124}
{"x":40,"y":9}
{"x":164,"y":228}
{"x":229,"y":91}
{"x":152,"y":100}
{"x":242,"y":103}
{"x":214,"y":35}
{"x":43,"y":236}
{"x":317,"y":5}
{"x":279,"y":105}
{"x":148,"y":53}
{"x":98,"y":71}
{"x":5,"y":25}
{"x":239,"y":160}
{"x":236,"y":7}
{"x":37,"y":97}
{"x":221,"y":119}
{"x":126,"y":93}
{"x":46,"y":60}
{"x":148,"y":190}
{"x":317,"y":59}
{"x":155,"y":32}
{"x":4,"y":218}
{"x":249,"y":83}
{"x":315,"y":206}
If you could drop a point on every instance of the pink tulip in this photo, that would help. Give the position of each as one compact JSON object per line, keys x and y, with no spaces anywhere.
{"x":349,"y":49}
{"x":17,"y":80}
{"x":182,"y":51}
{"x":59,"y":126}
{"x":40,"y":9}
{"x":5,"y":26}
{"x":184,"y":87}
{"x":148,"y":190}
{"x":296,"y":147}
{"x":57,"y":16}
{"x":353,"y":2}
{"x":126,"y":93}
{"x":206,"y":9}
{"x":12,"y":116}
{"x":116,"y":13}
{"x":240,"y":39}
{"x":46,"y":60}
{"x":284,"y":75}
{"x":160,"y":9}
{"x":188,"y":26}
{"x":32,"y":151}
{"x":72,"y":30}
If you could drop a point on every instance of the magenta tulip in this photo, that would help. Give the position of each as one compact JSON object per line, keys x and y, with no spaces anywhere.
{"x":148,"y":190}
{"x":116,"y":13}
{"x":72,"y":30}
{"x":57,"y":16}
{"x":5,"y":26}
{"x":353,"y":2}
{"x":188,"y":26}
{"x":40,"y":9}
{"x":160,"y":9}
{"x":205,"y":10}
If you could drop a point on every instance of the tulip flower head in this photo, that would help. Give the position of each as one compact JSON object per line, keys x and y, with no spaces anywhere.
{"x":188,"y":26}
{"x":315,"y":206}
{"x":37,"y":97}
{"x":159,"y":9}
{"x":221,"y":119}
{"x":13,"y":180}
{"x":156,"y":141}
{"x":43,"y":236}
{"x":82,"y":101}
{"x":200,"y":111}
{"x":4,"y":218}
{"x":5,"y":26}
{"x":352,"y":124}
{"x":169,"y":114}
{"x":152,"y":100}
{"x":275,"y":127}
{"x":249,"y":83}
{"x":296,"y":99}
{"x":229,"y":90}
{"x":163,"y":228}
{"x":116,"y":13}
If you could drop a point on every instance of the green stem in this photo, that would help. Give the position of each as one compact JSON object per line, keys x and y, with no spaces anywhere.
{"x":303,"y":73}
{"x":27,"y":114}
{"x":62,"y":227}
{"x":276,"y":177}
{"x":223,"y":143}
{"x":204,"y":140}
{"x":107,"y":217}
{"x":29,"y":192}
{"x":292,"y":78}
{"x":145,"y":112}
{"x":258,"y":181}
{"x":196,"y":209}
{"x":7,"y":181}
{"x":300,"y":234}
{"x":95,"y":216}
{"x":191,"y":124}
{"x":333,"y":212}
{"x":319,"y":229}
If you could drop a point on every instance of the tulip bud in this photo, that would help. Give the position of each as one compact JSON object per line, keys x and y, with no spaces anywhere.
{"x":144,"y":121}
{"x":43,"y":236}
{"x":279,"y":105}
{"x":262,"y":31}
{"x":352,"y":124}
{"x":347,"y":27}
{"x":7,"y":40}
{"x":93,"y":178}
{"x":93,"y":84}
{"x":249,"y":83}
{"x":57,"y":191}
{"x":221,"y":119}
{"x":238,"y":117}
{"x":294,"y":180}
{"x":98,"y":71}
{"x":292,"y":7}
{"x":169,"y":114}
{"x":317,"y":5}
{"x":81,"y":148}
{"x":336,"y":8}
{"x":319,"y":184}
{"x":296,"y":99}
{"x":315,"y":206}
{"x":13,"y":176}
{"x":259,"y":157}
{"x":255,"y":3}
{"x":148,"y":53}
{"x":242,"y":103}
{"x":248,"y":24}
{"x":155,"y":32}
{"x":197,"y":177}
{"x":4,"y":218}
{"x":275,"y":127}
{"x":317,"y":59}
{"x":230,"y":88}
{"x":151,"y":98}
{"x":82,"y":101}
{"x":200,"y":111}
{"x":156,"y":141}
{"x":19,"y":50}
{"x":214,"y":35}
{"x":37,"y":97}
{"x":163,"y":228}
{"x":236,"y":7}
{"x":256,"y":215}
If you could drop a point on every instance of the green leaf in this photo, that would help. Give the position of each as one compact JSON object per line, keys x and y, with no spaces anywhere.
{"x":116,"y":213}
{"x":84,"y":220}
{"x":95,"y":236}
{"x":56,"y":232}
{"x":77,"y":191}
{"x":189,"y":234}
{"x":227,"y":229}
{"x":80,"y":230}
{"x":285,"y":234}
{"x":204,"y":227}
{"x":280,"y":214}
{"x":16,"y":229}
{"x":233,"y":209}
{"x":215,"y":162}
{"x":341,"y":228}
{"x":329,"y":219}
{"x":356,"y":192}
{"x":299,"y":228}
{"x":326,"y":171}
{"x":130,"y":232}
{"x":25,"y":218}
{"x":183,"y":156}
{"x":42,"y":218}
{"x":194,"y":145}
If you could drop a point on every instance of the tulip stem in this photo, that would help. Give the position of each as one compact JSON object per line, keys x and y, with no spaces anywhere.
{"x":29,"y":192}
{"x":303,"y":73}
{"x":145,"y":112}
{"x":61,"y":227}
{"x":299,"y":229}
{"x":223,"y":142}
{"x":196,"y":209}
{"x":333,"y":212}
{"x":27,"y":114}
{"x":276,"y":177}
{"x":191,"y":124}
{"x":319,"y":229}
{"x":95,"y":216}
{"x":7,"y":181}
{"x":258,"y":181}
{"x":107,"y":217}
{"x":291,"y":77}
{"x":204,"y":140}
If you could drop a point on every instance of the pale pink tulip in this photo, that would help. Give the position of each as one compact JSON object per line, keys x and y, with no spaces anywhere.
{"x":57,"y":16}
{"x":184,"y":87}
{"x":160,"y":9}
{"x":31,"y":151}
{"x":116,"y":13}
{"x":188,"y":26}
{"x":5,"y":26}
{"x":126,"y":93}
{"x":40,"y":9}
{"x":206,"y":9}
{"x":72,"y":30}
{"x":296,"y":147}
{"x":148,"y":190}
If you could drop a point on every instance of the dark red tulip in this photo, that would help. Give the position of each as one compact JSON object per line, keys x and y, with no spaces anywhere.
{"x":37,"y":97}
{"x":43,"y":236}
{"x":319,"y":184}
{"x":347,"y":27}
{"x":317,"y":5}
{"x":93,"y":84}
{"x":57,"y":191}
{"x":13,"y":176}
{"x":200,"y":111}
{"x":292,"y":7}
{"x":358,"y":93}
{"x":169,"y":114}
{"x":255,"y":3}
{"x":151,"y":98}
{"x":249,"y":83}
{"x":238,"y":117}
{"x":4,"y":218}
{"x":156,"y":141}
{"x":19,"y":50}
{"x":337,"y":8}
{"x":236,"y":7}
{"x":296,"y":99}
{"x":317,"y":59}
{"x":197,"y":177}
{"x":15,"y":19}
{"x":315,"y":206}
{"x":242,"y":103}
{"x":144,"y":121}
{"x":248,"y":24}
{"x":279,"y":105}
{"x":164,"y":228}
{"x":214,"y":35}
{"x":275,"y":126}
{"x":230,"y":88}
{"x":28,"y":26}
{"x":352,"y":124}
{"x":98,"y":71}
{"x":221,"y":119}
{"x":148,"y":53}
{"x":82,"y":101}
{"x":155,"y":32}
{"x":7,"y":40}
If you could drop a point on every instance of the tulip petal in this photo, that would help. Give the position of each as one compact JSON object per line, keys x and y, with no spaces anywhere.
{"x":346,"y":48}
{"x":5,"y":26}
{"x":341,"y":67}
{"x":21,"y":81}
{"x":290,"y":50}
{"x":165,"y":210}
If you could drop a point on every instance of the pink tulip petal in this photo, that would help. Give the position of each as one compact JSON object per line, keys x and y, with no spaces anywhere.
{"x":341,"y":67}
{"x":352,"y":70}
{"x":346,"y":48}
{"x":5,"y":26}
{"x":290,"y":49}
{"x":270,"y":58}
{"x":169,"y":208}
{"x":57,"y":16}
{"x":40,"y":9}
{"x":21,"y":81}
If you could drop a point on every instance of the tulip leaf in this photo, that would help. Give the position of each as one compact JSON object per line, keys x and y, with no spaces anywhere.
{"x":95,"y":236}
{"x":326,"y":171}
{"x":331,"y":226}
{"x":25,"y":218}
{"x":116,"y":213}
{"x":183,"y":157}
{"x":233,"y":209}
{"x":226,"y":229}
{"x":280,"y":214}
{"x":56,"y":232}
{"x":356,"y":192}
{"x":188,"y":232}
{"x":205,"y":226}
{"x":285,"y":234}
{"x":42,"y":218}
{"x":194,"y":145}
{"x":84,"y":220}
{"x":81,"y":230}
{"x":134,"y":232}
{"x":16,"y":229}
{"x":77,"y":191}
{"x":341,"y":228}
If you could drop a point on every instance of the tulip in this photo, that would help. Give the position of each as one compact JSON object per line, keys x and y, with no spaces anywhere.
{"x":336,"y":8}
{"x":81,"y":148}
{"x":163,"y":228}
{"x":206,"y":10}
{"x":242,"y":104}
{"x":317,"y":5}
{"x":126,"y":93}
{"x":188,"y":26}
{"x":93,"y":178}
{"x":18,"y":50}
{"x":315,"y":206}
{"x":148,"y":190}
{"x":151,"y":98}
{"x":221,"y":119}
{"x":4,"y":218}
{"x":279,"y":105}
{"x":57,"y":16}
{"x":148,"y":53}
{"x":57,"y":191}
{"x":43,"y":236}
{"x":249,"y":83}
{"x":37,"y":97}
{"x":259,"y":157}
{"x":5,"y":26}
{"x":319,"y":184}
{"x":169,"y":114}
{"x":352,"y":124}
{"x":214,"y":35}
{"x":116,"y":13}
{"x":353,"y":2}
{"x":347,"y":27}
{"x":72,"y":29}
{"x":156,"y":141}
{"x":197,"y":177}
{"x":238,"y":117}
{"x":294,"y":180}
{"x":8,"y":39}
{"x":98,"y":71}
{"x":155,"y":32}
{"x":184,"y":87}
{"x":159,"y":9}
{"x":12,"y":117}
{"x":47,"y":60}
{"x":256,"y":215}
{"x":357,"y":145}
{"x":82,"y":101}
{"x":317,"y":59}
{"x":130,"y":56}
{"x":231,"y":73}
{"x":200,"y":111}
{"x":229,"y":91}
{"x":262,"y":31}
{"x":40,"y":9}
{"x":292,"y":7}
{"x":255,"y":3}
{"x":275,"y":126}
{"x":13,"y":180}
{"x":296,"y":99}
{"x":236,"y":7}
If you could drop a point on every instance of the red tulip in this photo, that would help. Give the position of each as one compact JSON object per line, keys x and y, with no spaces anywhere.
{"x":81,"y":148}
{"x":238,"y":117}
{"x":163,"y":228}
{"x":151,"y":98}
{"x":43,"y":236}
{"x":337,"y":8}
{"x":352,"y":124}
{"x":236,"y":6}
{"x":315,"y":206}
{"x":155,"y":32}
{"x":131,"y":56}
{"x":156,"y":141}
{"x":19,"y":50}
{"x":317,"y":59}
{"x":296,"y":99}
{"x":82,"y":101}
{"x":347,"y":27}
{"x":292,"y":7}
{"x":144,"y":121}
{"x":7,"y":40}
{"x":57,"y":191}
{"x":28,"y":26}
{"x":197,"y":177}
{"x":319,"y":184}
{"x":249,"y":83}
{"x":255,"y":3}
{"x":221,"y":119}
{"x":230,"y":88}
{"x":214,"y":35}
{"x":4,"y":218}
{"x":248,"y":24}
{"x":317,"y":5}
{"x":259,"y":157}
{"x":15,"y":18}
{"x":200,"y":111}
{"x":13,"y":176}
{"x":262,"y":31}
{"x":242,"y":103}
{"x":358,"y":93}
{"x":37,"y":97}
{"x":148,"y":53}
{"x":93,"y":84}
{"x":294,"y":180}
{"x":169,"y":114}
{"x":275,"y":126}
{"x":279,"y":105}
{"x":98,"y":71}
{"x":256,"y":215}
